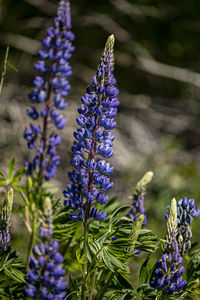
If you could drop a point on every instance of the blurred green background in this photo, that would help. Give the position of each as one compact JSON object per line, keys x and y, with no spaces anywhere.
{"x":157,"y":54}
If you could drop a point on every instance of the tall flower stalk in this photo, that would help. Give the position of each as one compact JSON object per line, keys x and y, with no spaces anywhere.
{"x":51,"y":89}
{"x":92,"y":147}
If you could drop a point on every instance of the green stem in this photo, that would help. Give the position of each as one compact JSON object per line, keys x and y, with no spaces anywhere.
{"x":93,"y":284}
{"x":103,"y":290}
{"x":85,"y":266}
{"x":32,"y":238}
{"x":4,"y":69}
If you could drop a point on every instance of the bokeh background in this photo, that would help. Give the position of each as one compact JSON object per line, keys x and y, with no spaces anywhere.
{"x":157,"y":54}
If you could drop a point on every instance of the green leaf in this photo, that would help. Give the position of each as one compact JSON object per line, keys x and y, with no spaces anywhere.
{"x":144,"y":271}
{"x":20,"y":173}
{"x":4,"y":69}
{"x":15,"y":274}
{"x":3,"y":259}
{"x":70,"y":294}
{"x":55,"y":204}
{"x":119,"y":210}
{"x":2,"y":175}
{"x":3,"y":182}
{"x":95,"y":247}
{"x":10,"y":65}
{"x":11,"y":167}
{"x":106,"y":260}
{"x":115,"y":261}
{"x":80,"y":258}
{"x":103,"y":238}
{"x":193,"y":269}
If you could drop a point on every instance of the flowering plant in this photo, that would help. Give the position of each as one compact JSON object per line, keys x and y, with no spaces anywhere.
{"x":82,"y":243}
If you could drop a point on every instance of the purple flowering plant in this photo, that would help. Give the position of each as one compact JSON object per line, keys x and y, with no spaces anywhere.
{"x":82,"y":243}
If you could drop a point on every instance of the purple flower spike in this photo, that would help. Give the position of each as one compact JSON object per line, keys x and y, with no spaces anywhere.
{"x":45,"y":278}
{"x":53,"y":71}
{"x":169,"y":267}
{"x":186,"y":211}
{"x":93,"y":143}
{"x":5,"y":220}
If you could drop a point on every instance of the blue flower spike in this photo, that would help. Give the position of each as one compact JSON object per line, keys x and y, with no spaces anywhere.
{"x":45,"y":278}
{"x":5,"y":220}
{"x":51,"y":87}
{"x":93,"y":143}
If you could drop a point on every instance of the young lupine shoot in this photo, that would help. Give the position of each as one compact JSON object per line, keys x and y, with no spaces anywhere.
{"x":93,"y":143}
{"x":137,"y":207}
{"x":45,"y":278}
{"x":5,"y":220}
{"x":51,"y":90}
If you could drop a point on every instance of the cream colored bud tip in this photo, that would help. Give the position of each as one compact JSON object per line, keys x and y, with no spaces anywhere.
{"x":47,"y":205}
{"x":146,"y":178}
{"x":110,"y":41}
{"x":173,"y":205}
{"x":9,"y":199}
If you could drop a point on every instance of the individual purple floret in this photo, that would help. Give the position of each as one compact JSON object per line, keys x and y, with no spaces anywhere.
{"x":51,"y":89}
{"x":93,"y":143}
{"x":169,"y":270}
{"x":186,"y":211}
{"x":45,"y":278}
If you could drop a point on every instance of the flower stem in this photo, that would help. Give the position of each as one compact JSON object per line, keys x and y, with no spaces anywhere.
{"x":32,"y":238}
{"x":93,"y":284}
{"x":44,"y":137}
{"x":85,"y":266}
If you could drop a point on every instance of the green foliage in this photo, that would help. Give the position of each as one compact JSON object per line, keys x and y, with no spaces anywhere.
{"x":13,"y":178}
{"x":12,"y":274}
{"x":193,"y":269}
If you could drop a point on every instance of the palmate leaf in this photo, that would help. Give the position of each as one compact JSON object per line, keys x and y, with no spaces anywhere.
{"x":11,"y":267}
{"x":64,"y":228}
{"x":147,"y":241}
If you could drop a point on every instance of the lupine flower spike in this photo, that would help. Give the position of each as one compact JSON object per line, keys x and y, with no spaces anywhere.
{"x":186,"y":211}
{"x":169,"y":270}
{"x":45,"y":277}
{"x":51,"y":89}
{"x":93,"y":143}
{"x":5,"y":220}
{"x":137,"y":207}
